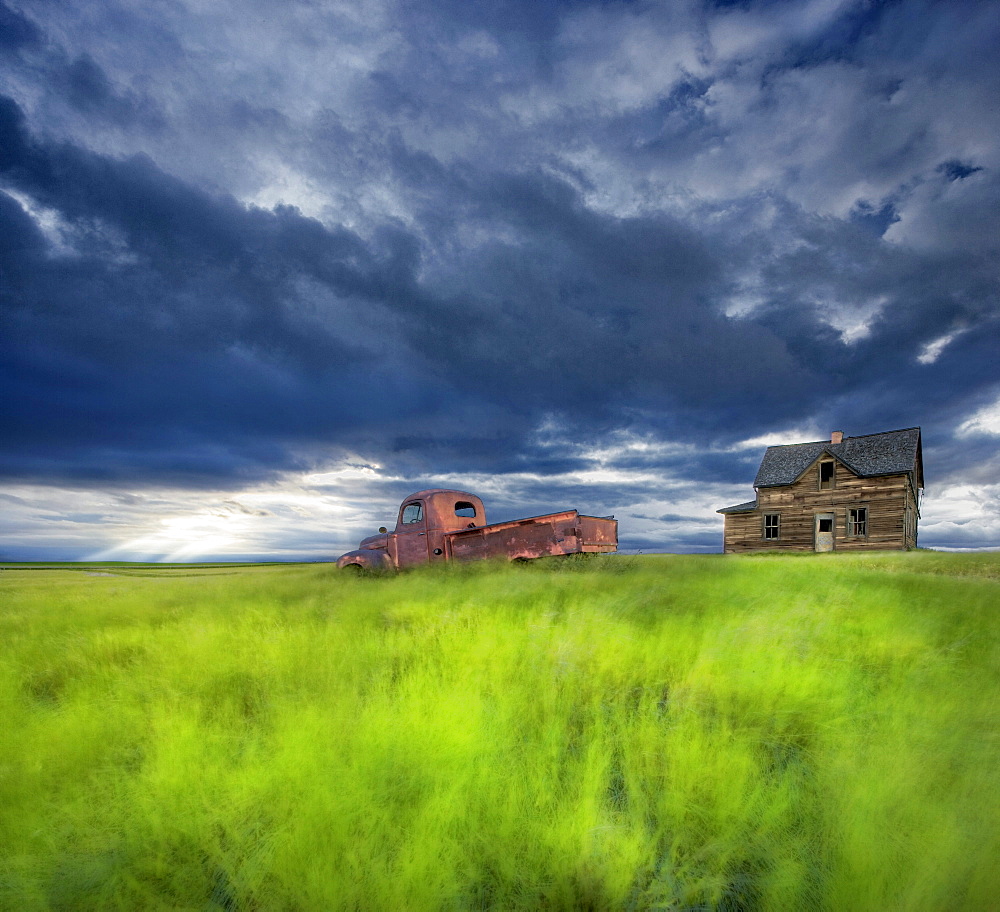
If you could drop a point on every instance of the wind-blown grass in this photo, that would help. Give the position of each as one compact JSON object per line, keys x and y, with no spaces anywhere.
{"x":682,"y":733}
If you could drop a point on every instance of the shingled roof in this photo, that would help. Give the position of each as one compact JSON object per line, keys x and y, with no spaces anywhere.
{"x":888,"y":453}
{"x":747,"y":507}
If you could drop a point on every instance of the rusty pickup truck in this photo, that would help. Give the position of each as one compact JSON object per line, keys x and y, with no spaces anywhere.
{"x":445,"y":525}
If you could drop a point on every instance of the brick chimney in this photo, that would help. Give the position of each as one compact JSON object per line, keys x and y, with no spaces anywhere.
{"x":837,"y":437}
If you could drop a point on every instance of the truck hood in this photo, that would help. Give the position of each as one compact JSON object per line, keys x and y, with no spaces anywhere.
{"x":375,"y":543}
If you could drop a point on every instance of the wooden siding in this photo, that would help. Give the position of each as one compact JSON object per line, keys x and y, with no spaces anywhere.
{"x":885,"y":497}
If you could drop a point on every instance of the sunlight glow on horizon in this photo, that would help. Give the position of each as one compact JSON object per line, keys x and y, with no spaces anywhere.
{"x":183,"y":538}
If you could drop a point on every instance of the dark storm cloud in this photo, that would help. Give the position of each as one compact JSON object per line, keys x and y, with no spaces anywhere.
{"x":180,"y":325}
{"x":16,"y":30}
{"x":175,"y":325}
{"x":240,"y":243}
{"x":88,"y":90}
{"x":956,"y":170}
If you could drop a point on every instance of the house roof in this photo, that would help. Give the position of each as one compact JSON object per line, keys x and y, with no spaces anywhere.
{"x":748,"y":507}
{"x":888,"y":453}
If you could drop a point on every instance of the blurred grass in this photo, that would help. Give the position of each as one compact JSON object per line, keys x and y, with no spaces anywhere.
{"x":657,"y":732}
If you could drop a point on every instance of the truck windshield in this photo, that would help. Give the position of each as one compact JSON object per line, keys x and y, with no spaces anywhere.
{"x":412,"y":513}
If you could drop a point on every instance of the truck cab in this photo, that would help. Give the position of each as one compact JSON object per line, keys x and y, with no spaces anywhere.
{"x":423,"y":521}
{"x":425,"y":518}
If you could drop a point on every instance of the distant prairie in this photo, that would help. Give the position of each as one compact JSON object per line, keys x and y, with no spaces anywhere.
{"x":653,"y":732}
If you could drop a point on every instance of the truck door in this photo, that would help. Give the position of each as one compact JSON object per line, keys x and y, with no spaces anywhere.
{"x":411,"y":534}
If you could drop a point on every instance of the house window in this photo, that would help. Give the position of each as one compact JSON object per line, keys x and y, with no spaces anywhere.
{"x":466,"y":509}
{"x":772,"y":526}
{"x":826,"y":475}
{"x":857,"y":522}
{"x":412,"y":513}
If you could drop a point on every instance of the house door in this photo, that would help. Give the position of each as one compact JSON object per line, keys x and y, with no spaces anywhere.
{"x":824,"y":531}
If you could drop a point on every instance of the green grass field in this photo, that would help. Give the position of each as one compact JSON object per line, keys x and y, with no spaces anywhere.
{"x":661,"y":732}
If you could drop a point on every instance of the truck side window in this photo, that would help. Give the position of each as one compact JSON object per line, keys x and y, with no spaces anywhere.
{"x":412,"y":513}
{"x":464,"y":508}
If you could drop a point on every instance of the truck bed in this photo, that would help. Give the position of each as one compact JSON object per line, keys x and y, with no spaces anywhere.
{"x":538,"y":536}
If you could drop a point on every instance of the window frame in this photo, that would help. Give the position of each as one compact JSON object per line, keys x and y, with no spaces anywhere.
{"x":419,"y":504}
{"x":832,"y":483}
{"x":850,"y":527}
{"x":776,"y":527}
{"x":466,"y":505}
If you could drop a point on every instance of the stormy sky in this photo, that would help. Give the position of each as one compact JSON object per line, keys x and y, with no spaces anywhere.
{"x":266,"y":268}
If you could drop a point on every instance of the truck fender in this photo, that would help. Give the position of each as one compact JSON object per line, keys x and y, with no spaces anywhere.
{"x":366,"y":559}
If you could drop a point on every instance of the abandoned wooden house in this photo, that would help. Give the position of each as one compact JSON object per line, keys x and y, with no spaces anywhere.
{"x":844,"y":494}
